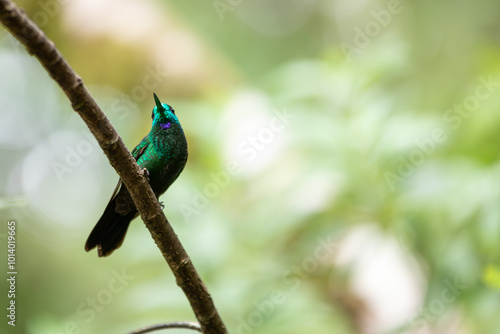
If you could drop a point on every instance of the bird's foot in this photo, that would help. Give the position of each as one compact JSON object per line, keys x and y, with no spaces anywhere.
{"x":145,"y":173}
{"x":162,"y":206}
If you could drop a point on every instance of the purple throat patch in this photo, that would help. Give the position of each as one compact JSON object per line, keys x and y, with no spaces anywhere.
{"x":166,"y":125}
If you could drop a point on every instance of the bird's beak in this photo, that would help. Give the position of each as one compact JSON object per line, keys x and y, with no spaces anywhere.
{"x":158,"y":103}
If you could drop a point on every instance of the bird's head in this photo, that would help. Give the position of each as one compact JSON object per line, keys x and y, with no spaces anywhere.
{"x":163,"y":116}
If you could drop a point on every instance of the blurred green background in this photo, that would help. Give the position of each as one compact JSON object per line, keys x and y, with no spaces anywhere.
{"x":343,"y":175}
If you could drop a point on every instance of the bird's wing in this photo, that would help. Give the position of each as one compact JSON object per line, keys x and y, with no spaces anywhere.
{"x":136,"y":153}
{"x":140,"y":148}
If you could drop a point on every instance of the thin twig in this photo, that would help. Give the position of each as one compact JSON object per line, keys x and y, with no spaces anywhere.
{"x":37,"y":44}
{"x":186,"y":325}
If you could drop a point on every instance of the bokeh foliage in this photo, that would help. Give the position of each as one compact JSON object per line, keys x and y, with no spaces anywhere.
{"x":343,"y":169}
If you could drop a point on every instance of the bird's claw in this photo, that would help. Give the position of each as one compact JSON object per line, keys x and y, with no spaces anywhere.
{"x":145,"y":173}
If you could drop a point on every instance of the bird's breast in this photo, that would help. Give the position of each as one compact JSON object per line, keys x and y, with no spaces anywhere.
{"x":164,"y":161}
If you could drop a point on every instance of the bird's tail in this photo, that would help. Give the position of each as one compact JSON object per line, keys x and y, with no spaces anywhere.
{"x":110,"y":230}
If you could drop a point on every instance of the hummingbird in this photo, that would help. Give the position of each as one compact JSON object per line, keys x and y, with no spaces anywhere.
{"x":163,"y":154}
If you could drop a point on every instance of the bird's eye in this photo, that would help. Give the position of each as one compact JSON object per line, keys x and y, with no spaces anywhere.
{"x":153,"y":115}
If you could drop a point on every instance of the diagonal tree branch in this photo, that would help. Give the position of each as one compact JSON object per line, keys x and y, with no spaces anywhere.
{"x":37,"y":44}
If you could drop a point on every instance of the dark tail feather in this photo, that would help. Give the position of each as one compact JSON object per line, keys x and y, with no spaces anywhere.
{"x":109,"y":232}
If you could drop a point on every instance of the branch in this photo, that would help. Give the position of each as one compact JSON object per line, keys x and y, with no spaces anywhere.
{"x":37,"y":44}
{"x":186,"y":325}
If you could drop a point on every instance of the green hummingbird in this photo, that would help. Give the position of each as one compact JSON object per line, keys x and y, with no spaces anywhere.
{"x":163,"y":153}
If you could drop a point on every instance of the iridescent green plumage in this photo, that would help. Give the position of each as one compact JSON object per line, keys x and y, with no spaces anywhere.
{"x":163,"y":152}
